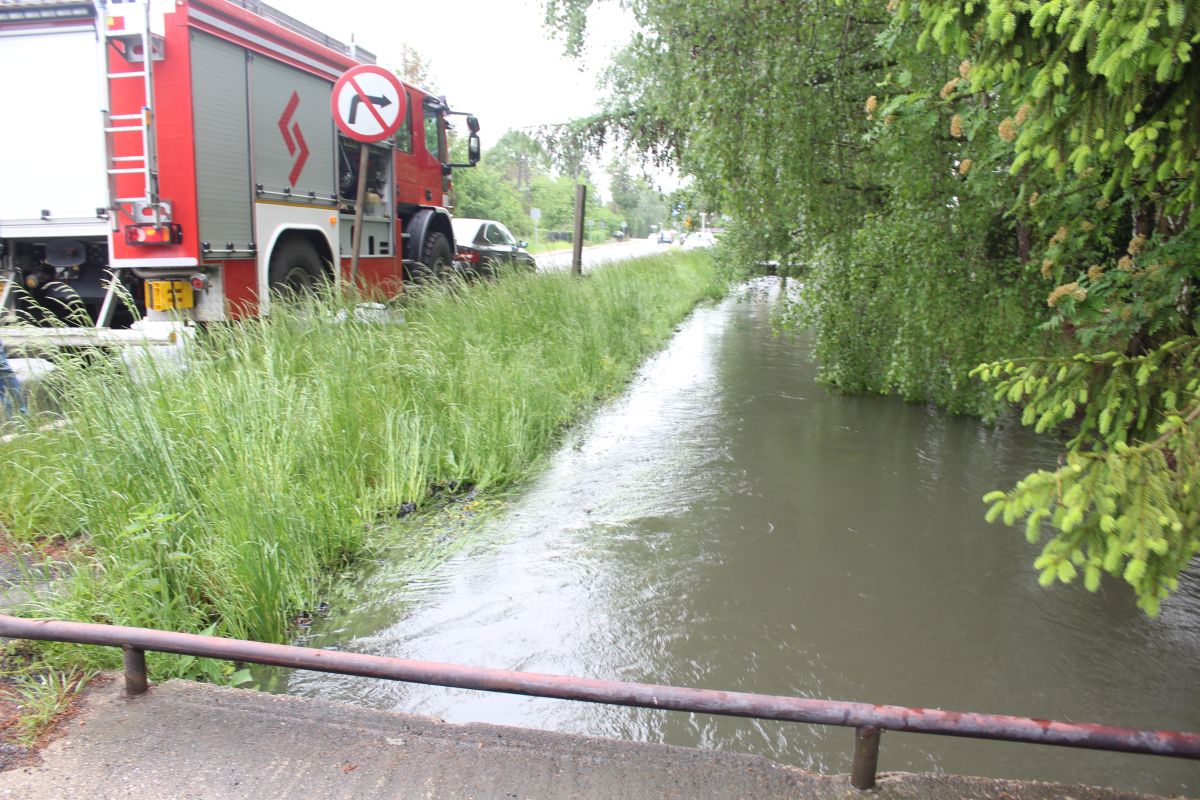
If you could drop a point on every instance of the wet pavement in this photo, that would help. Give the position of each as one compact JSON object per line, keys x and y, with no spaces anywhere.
{"x":596,"y":255}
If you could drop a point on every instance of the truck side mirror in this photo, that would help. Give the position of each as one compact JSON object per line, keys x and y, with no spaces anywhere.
{"x":473,"y":144}
{"x":473,"y":147}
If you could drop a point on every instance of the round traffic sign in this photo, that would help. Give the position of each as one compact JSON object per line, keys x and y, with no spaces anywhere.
{"x":368,"y":103}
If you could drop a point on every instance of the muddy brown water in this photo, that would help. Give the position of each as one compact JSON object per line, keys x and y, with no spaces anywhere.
{"x":728,"y":523}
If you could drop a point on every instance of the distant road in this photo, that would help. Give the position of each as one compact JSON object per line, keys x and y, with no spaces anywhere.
{"x":601,"y":254}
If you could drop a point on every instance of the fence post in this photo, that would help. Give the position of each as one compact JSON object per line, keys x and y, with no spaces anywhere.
{"x":577,"y":240}
{"x":135,"y":670}
{"x":866,"y":757}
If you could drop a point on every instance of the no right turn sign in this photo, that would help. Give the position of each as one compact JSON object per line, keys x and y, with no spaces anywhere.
{"x":368,"y":103}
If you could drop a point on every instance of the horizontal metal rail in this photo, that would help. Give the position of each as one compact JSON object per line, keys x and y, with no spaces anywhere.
{"x":27,"y":338}
{"x":869,"y":719}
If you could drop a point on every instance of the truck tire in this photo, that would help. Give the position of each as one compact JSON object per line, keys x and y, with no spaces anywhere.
{"x":435,"y":259}
{"x":295,"y":268}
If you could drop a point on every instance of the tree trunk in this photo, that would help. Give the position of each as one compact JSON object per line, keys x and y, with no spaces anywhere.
{"x":1022,"y":242}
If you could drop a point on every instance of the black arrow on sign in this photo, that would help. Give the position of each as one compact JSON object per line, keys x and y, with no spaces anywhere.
{"x":378,"y":102}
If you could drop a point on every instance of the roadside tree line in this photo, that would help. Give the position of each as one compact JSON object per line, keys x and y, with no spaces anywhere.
{"x":517,"y":175}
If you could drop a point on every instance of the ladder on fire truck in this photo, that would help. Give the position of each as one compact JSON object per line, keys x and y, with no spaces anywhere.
{"x":132,"y":38}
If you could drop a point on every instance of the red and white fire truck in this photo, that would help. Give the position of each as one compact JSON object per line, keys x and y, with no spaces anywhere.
{"x":188,"y":149}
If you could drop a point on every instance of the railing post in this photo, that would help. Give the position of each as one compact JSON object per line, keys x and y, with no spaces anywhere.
{"x":135,"y":670}
{"x":866,"y":757}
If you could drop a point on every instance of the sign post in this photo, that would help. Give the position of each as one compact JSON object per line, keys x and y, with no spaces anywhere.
{"x":368,"y":105}
{"x":577,"y":242}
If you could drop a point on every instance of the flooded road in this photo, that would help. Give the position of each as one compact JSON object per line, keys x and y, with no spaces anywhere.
{"x":727,"y":523}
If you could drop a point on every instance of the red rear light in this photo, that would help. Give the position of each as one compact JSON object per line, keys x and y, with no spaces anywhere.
{"x":470,"y":256}
{"x":147,"y":233}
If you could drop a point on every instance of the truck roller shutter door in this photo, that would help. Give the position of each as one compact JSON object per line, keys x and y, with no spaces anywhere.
{"x":293,"y":131}
{"x":223,"y":184}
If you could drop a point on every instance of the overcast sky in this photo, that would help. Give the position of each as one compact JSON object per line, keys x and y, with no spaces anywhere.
{"x":494,"y":58}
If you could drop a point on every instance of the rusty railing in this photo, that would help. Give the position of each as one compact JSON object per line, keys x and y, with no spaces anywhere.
{"x":868,"y":720}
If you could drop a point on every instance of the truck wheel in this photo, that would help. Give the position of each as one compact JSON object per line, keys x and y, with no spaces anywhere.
{"x":435,"y":259}
{"x":295,"y":267}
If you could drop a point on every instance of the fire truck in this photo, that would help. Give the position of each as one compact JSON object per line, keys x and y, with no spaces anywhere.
{"x":181,"y":157}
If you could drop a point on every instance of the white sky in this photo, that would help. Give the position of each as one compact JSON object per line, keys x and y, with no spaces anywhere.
{"x":493,"y":58}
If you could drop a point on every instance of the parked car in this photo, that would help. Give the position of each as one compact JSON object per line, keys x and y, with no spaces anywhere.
{"x":485,"y":245}
{"x":666,"y":237}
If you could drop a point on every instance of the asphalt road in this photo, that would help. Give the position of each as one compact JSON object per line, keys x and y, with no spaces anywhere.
{"x":601,"y":254}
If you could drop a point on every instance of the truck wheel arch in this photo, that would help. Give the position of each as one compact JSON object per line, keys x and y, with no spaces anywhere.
{"x":313,"y":236}
{"x":421,"y":225}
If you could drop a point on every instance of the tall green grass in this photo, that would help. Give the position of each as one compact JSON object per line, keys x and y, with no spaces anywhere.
{"x":216,"y":499}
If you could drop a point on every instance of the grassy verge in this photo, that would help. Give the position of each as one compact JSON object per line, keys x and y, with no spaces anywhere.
{"x":547,"y":247}
{"x":217,"y":499}
{"x":551,"y":247}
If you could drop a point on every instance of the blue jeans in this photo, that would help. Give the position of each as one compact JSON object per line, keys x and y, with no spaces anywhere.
{"x":9,"y":388}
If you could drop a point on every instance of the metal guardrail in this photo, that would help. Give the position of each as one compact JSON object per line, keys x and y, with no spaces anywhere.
{"x":23,"y":338}
{"x":869,"y":720}
{"x":26,"y":338}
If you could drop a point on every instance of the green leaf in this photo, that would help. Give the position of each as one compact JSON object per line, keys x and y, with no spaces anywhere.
{"x":239,"y":678}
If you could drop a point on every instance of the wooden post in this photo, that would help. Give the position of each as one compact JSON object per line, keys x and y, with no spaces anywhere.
{"x":360,"y":199}
{"x":577,"y":242}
